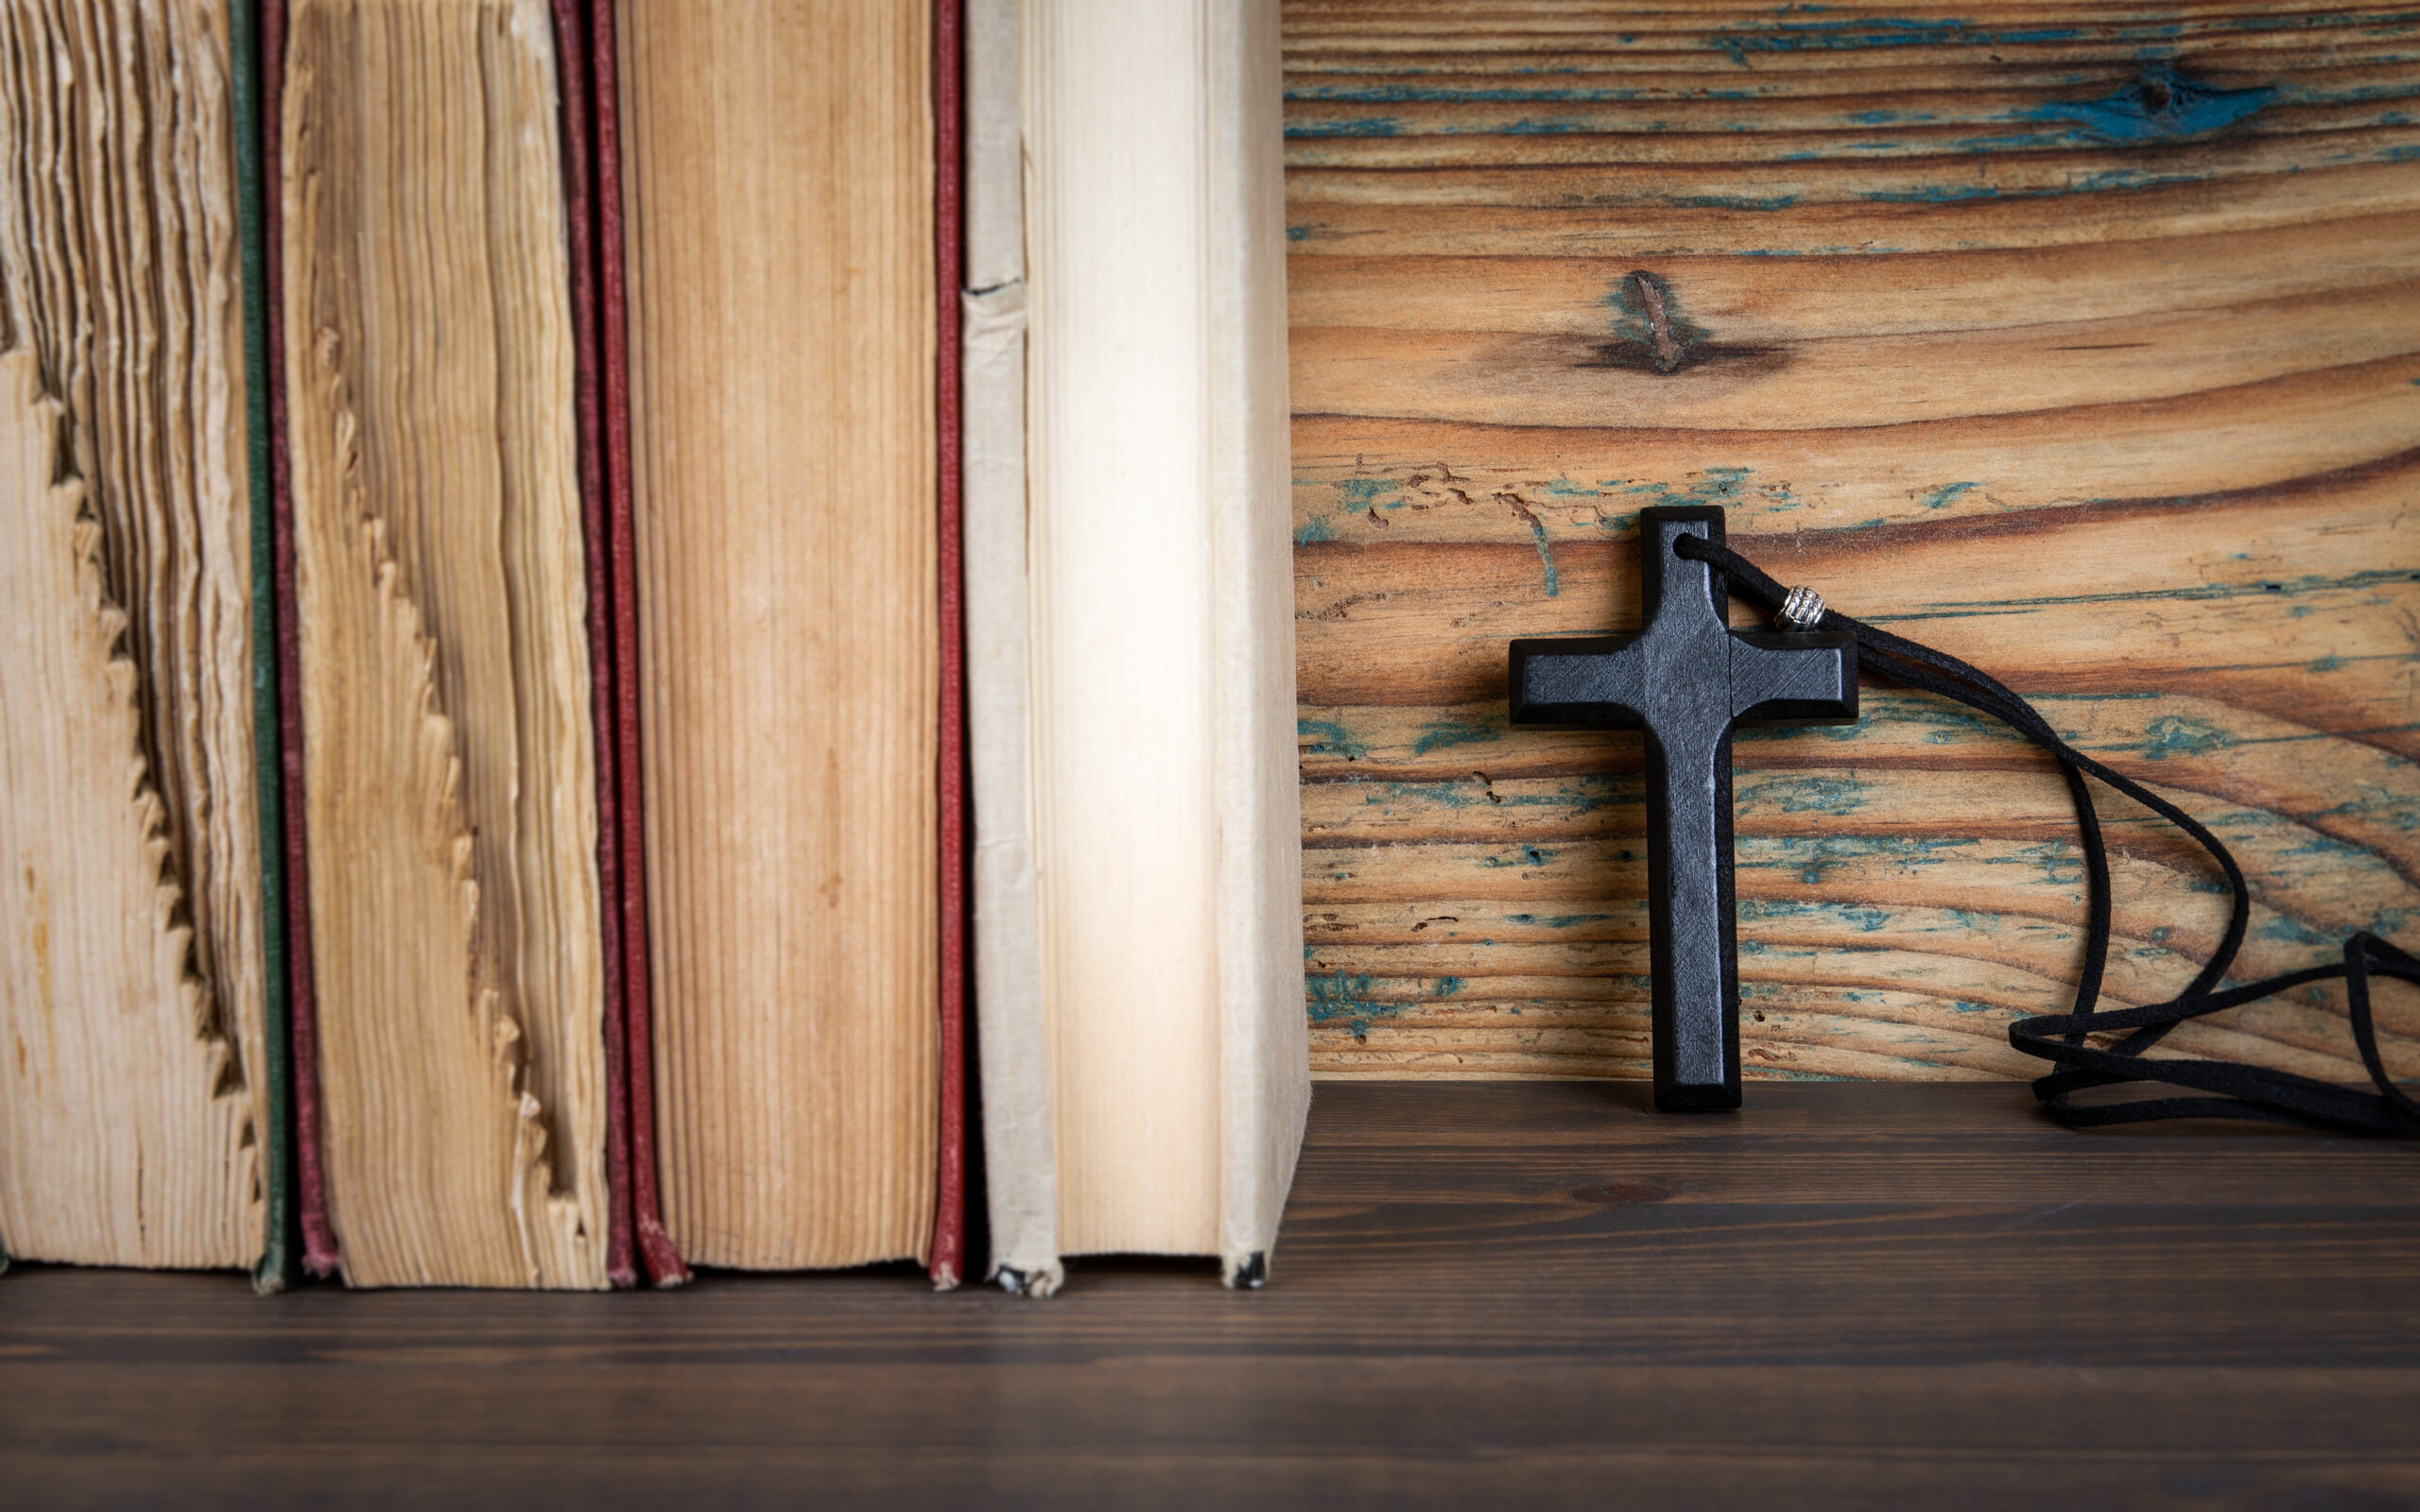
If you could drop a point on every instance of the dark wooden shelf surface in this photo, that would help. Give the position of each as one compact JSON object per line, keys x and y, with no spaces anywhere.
{"x":1486,"y":1294}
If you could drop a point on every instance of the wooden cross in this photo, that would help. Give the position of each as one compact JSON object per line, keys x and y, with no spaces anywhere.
{"x":1687,"y":679}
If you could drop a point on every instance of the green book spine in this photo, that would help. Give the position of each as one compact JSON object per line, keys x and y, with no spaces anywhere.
{"x":277,"y":1267}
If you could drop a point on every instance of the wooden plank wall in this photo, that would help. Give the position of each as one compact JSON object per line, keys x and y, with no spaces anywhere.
{"x":2082,"y":341}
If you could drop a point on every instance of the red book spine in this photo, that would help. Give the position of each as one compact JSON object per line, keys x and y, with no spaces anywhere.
{"x":949,"y":1217}
{"x":656,"y":1251}
{"x":580,"y":205}
{"x":320,"y":1255}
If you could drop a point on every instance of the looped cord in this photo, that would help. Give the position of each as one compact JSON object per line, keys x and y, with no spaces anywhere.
{"x":2221,"y":1088}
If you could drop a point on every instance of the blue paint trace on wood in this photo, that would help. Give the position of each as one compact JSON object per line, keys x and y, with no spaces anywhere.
{"x":1368,"y":125}
{"x":1739,"y":43}
{"x":2161,"y":106}
{"x":1360,"y":494}
{"x":1346,"y":995}
{"x":1546,"y":556}
{"x":1328,"y":737}
{"x":2181,"y":736}
{"x":1440,"y":734}
{"x":1880,"y":31}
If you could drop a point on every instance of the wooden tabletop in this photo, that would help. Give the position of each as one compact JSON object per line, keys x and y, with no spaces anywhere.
{"x":1486,"y":1294}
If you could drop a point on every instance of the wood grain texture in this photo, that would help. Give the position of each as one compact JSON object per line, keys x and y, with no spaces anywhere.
{"x":2080,"y":341}
{"x":1836,"y":1298}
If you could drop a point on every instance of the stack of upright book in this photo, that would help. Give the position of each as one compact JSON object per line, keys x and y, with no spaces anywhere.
{"x":589,"y":582}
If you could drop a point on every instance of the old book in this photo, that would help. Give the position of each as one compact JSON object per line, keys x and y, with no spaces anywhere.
{"x":1130,"y":631}
{"x":140,"y":1119}
{"x":463,"y":1112}
{"x":781,"y":241}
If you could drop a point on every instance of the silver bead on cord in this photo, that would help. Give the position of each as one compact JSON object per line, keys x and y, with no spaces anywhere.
{"x":1803,"y":610}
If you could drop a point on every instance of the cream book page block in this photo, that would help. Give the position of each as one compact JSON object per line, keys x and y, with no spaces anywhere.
{"x":113,"y":1149}
{"x":449,"y":752}
{"x":1164,"y":809}
{"x":778,"y":183}
{"x":132,"y":976}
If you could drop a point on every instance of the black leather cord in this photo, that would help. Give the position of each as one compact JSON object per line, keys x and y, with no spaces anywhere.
{"x":2223,"y":1090}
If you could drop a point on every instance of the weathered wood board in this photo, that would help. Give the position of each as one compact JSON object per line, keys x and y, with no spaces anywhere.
{"x":2082,"y":341}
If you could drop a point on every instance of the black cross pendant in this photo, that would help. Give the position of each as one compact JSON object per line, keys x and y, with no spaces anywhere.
{"x":1687,"y":679}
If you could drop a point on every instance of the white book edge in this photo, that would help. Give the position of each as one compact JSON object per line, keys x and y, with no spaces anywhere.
{"x":1264,"y":1036}
{"x":1262,"y":1075}
{"x":1019,"y":1139}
